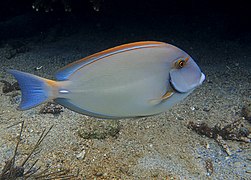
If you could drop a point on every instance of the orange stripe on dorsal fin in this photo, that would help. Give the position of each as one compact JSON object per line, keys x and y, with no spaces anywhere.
{"x":117,"y":49}
{"x":66,"y":71}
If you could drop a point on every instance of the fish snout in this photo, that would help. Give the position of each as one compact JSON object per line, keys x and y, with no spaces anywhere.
{"x":202,"y":78}
{"x":186,"y":81}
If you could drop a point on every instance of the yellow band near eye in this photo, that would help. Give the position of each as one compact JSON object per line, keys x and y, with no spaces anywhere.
{"x":187,"y":58}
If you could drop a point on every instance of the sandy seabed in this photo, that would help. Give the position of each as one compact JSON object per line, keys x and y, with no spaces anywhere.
{"x":157,"y":147}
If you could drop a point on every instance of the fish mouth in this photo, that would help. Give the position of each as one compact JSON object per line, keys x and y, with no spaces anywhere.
{"x":176,"y":87}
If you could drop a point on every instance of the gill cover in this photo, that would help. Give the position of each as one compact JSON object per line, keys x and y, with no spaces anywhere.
{"x":185,"y":76}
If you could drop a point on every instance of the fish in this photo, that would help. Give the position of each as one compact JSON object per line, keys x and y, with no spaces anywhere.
{"x":132,"y":80}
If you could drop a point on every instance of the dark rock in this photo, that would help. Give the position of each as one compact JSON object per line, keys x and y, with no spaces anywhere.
{"x":8,"y":87}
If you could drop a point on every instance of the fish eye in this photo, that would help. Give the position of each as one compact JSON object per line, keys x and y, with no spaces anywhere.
{"x":180,"y":63}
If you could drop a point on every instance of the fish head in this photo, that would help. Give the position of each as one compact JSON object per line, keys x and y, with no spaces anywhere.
{"x":185,"y":74}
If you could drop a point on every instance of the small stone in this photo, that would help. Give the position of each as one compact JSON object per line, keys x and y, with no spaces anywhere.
{"x":99,"y":174}
{"x":81,"y":155}
{"x":237,"y":164}
{"x":180,"y":118}
{"x":182,"y":156}
{"x":206,"y":109}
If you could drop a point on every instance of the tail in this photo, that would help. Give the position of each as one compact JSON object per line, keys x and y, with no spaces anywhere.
{"x":35,"y":90}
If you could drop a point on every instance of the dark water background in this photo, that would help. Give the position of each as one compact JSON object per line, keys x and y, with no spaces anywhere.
{"x":152,"y":19}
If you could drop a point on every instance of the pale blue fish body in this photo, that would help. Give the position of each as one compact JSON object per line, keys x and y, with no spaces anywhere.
{"x":125,"y":81}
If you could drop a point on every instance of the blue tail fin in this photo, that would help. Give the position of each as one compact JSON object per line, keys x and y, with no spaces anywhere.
{"x":35,"y":90}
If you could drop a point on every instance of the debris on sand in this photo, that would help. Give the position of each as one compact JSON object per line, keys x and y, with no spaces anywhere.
{"x":209,"y":167}
{"x":52,"y":108}
{"x":101,"y":130}
{"x":11,"y":171}
{"x":233,"y":131}
{"x":246,"y":112}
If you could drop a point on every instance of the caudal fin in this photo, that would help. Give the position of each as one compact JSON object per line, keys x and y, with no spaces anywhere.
{"x":35,"y":90}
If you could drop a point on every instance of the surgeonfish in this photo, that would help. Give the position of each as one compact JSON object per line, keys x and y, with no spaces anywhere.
{"x":130,"y":80}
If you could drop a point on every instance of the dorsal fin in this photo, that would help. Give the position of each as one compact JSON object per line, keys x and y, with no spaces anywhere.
{"x":68,"y":70}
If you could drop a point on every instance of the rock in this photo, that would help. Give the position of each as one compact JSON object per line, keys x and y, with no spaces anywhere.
{"x":81,"y":155}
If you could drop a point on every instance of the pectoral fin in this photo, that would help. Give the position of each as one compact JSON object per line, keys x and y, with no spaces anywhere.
{"x":167,"y":95}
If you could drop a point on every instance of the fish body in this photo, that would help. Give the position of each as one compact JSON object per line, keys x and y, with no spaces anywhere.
{"x":131,"y":80}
